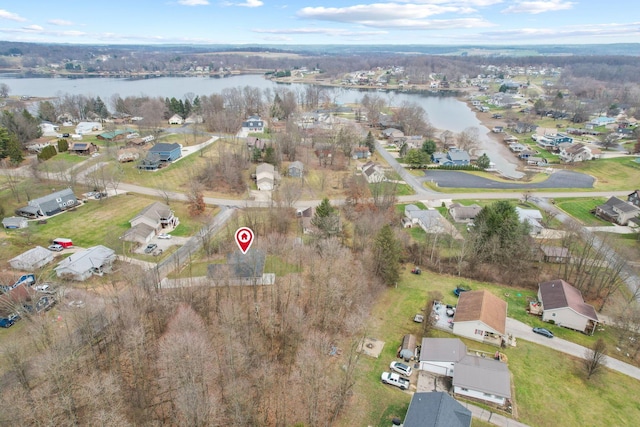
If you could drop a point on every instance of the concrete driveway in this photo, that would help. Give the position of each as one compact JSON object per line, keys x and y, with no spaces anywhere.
{"x":558,"y":179}
{"x":523,"y":331}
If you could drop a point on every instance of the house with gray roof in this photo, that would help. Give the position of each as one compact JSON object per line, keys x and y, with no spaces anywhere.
{"x":532,"y":217}
{"x":82,"y":265}
{"x":265,"y":177}
{"x":242,"y":269}
{"x":482,"y":378}
{"x":439,"y":355}
{"x":373,"y":173}
{"x":296,"y":169}
{"x":13,"y":222}
{"x":436,"y":409}
{"x":49,"y":205}
{"x":32,"y":259}
{"x":453,"y":157}
{"x":461,"y":213}
{"x":430,"y":220}
{"x":563,"y":304}
{"x":150,"y":221}
{"x":618,"y":211}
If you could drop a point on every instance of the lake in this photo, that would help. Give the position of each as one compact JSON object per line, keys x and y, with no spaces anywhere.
{"x":444,"y":112}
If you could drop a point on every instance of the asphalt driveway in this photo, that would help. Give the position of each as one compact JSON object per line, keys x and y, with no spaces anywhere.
{"x":456,"y":179}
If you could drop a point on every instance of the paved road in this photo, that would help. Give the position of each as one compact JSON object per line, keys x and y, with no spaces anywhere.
{"x":456,"y":179}
{"x":404,"y":174}
{"x":523,"y":331}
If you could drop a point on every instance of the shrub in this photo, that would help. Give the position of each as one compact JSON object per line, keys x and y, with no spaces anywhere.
{"x":47,"y":152}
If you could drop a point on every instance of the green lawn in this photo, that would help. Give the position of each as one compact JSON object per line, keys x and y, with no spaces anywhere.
{"x":580,"y":209}
{"x":612,"y":174}
{"x":546,"y":381}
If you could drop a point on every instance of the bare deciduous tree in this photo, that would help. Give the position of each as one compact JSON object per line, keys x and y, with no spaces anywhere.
{"x":595,"y":358}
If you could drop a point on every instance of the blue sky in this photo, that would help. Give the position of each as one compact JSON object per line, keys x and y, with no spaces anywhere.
{"x":437,"y":22}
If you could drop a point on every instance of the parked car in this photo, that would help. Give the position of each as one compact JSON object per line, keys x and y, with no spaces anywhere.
{"x":150,"y":248}
{"x":164,"y":236}
{"x":418,"y":318}
{"x":401,"y":368}
{"x":55,"y":247}
{"x":460,"y":289}
{"x":395,"y":380}
{"x":45,"y":303}
{"x":65,"y":135}
{"x":542,"y":331}
{"x":5,"y":322}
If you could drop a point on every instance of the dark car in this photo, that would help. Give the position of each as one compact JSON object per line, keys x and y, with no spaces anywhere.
{"x":150,"y":248}
{"x":65,"y":135}
{"x":6,"y":322}
{"x":542,"y":331}
{"x":460,"y":289}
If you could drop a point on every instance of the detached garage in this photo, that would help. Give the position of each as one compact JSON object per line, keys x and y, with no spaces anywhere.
{"x":439,"y":355}
{"x":32,"y":259}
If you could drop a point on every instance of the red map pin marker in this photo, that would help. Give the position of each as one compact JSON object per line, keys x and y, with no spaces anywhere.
{"x":244,"y":238}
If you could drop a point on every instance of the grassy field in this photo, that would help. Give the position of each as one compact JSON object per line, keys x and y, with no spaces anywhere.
{"x":612,"y":174}
{"x":580,"y":209}
{"x":545,"y":381}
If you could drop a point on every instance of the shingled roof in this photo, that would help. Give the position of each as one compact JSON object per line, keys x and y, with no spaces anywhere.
{"x":560,"y":294}
{"x":484,"y":306}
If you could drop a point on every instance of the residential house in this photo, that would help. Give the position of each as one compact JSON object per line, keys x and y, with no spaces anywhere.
{"x":373,"y":173}
{"x":265,"y":177}
{"x":634,"y":198}
{"x":556,"y":254}
{"x":481,"y":316}
{"x":573,"y":153}
{"x":150,"y":221}
{"x":81,"y":265}
{"x":439,"y":355}
{"x":254,"y":142}
{"x":461,"y":213}
{"x":484,"y":379}
{"x":392,"y":133}
{"x":360,"y":153}
{"x":83,"y":148}
{"x":453,"y":157}
{"x":430,"y":220}
{"x":525,"y":154}
{"x":563,"y":305}
{"x":32,"y":259}
{"x":194,"y":119}
{"x":83,"y":128}
{"x":296,"y":169}
{"x":253,"y":124}
{"x":49,"y":205}
{"x":49,"y":129}
{"x":618,"y":211}
{"x":436,"y":409}
{"x":599,"y":121}
{"x":414,"y":142}
{"x":115,"y":135}
{"x":13,"y":222}
{"x":517,"y":147}
{"x":532,"y":217}
{"x":241,"y":269}
{"x":176,"y":119}
{"x":161,"y":154}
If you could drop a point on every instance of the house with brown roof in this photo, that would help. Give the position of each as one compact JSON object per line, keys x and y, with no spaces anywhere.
{"x":481,"y":316}
{"x":563,"y":304}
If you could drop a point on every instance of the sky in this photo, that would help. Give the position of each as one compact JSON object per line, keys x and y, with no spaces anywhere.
{"x":312,"y":22}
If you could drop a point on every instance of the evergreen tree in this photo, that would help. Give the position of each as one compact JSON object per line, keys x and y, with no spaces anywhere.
{"x":270,"y":156}
{"x":369,"y":141}
{"x":256,"y":155}
{"x":429,"y":146}
{"x":326,"y":219}
{"x":483,"y":161}
{"x":386,"y":255}
{"x":63,"y":145}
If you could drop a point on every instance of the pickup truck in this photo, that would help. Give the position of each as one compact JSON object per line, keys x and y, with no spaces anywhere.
{"x":395,"y":379}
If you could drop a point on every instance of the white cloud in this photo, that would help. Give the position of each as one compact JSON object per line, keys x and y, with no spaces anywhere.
{"x":540,"y":6}
{"x":33,"y":28}
{"x":592,"y":33}
{"x":11,"y":16}
{"x":247,"y":3}
{"x":379,"y":12}
{"x":60,"y":22}
{"x":193,"y":2}
{"x":324,"y":31}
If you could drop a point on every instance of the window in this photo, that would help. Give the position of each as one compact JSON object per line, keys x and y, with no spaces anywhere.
{"x":479,"y":332}
{"x":59,"y":200}
{"x":553,"y":315}
{"x":464,"y":389}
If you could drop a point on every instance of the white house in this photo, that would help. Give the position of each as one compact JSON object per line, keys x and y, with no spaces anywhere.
{"x":32,"y":259}
{"x":484,"y":379}
{"x":176,"y":119}
{"x":563,"y":305}
{"x":253,"y":124}
{"x":373,"y":172}
{"x":481,"y":316}
{"x":49,"y":129}
{"x":88,"y":127}
{"x":573,"y":153}
{"x":81,"y":265}
{"x":439,"y":355}
{"x":265,"y":177}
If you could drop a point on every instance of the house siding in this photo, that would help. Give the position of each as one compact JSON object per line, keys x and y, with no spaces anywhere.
{"x":439,"y":368}
{"x":479,"y":395}
{"x":469,"y":329}
{"x":565,"y":317}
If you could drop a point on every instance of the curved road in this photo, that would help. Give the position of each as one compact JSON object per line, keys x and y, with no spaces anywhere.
{"x":558,"y":179}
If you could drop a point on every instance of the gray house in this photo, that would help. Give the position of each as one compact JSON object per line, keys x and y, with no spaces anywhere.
{"x":81,"y":265}
{"x":49,"y":205}
{"x":618,"y":211}
{"x":32,"y":259}
{"x":436,"y":409}
{"x":14,"y":222}
{"x":296,"y":169}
